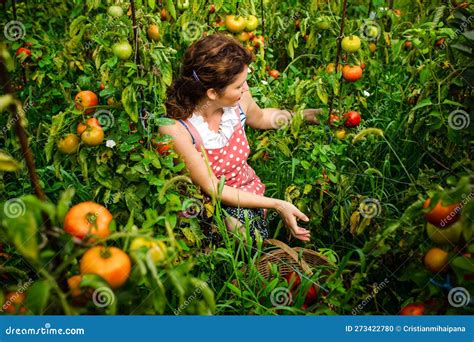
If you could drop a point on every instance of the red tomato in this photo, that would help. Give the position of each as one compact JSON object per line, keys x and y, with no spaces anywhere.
{"x":413,"y":310}
{"x":312,"y":295}
{"x":352,"y":119}
{"x":293,"y":278}
{"x":23,"y":50}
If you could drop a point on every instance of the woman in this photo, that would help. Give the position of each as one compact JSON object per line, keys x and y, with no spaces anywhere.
{"x":211,"y":104}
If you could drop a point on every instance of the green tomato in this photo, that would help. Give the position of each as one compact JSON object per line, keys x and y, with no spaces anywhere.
{"x":351,"y":44}
{"x":115,"y":11}
{"x":323,"y":24}
{"x":122,"y":50}
{"x":373,"y":32}
{"x":444,"y":236}
{"x":252,"y":23}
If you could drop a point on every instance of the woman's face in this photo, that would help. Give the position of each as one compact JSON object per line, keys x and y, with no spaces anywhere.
{"x":233,"y":92}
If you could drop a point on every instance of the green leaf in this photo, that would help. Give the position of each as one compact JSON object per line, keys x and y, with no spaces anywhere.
{"x":64,"y":203}
{"x":21,"y":227}
{"x":8,"y":163}
{"x":421,"y":104}
{"x":151,"y":3}
{"x":38,"y":297}
{"x":463,"y":49}
{"x":56,"y":126}
{"x":234,"y":289}
{"x":129,"y":101}
{"x":454,"y":103}
{"x":165,"y":121}
{"x":171,"y":9}
{"x":322,"y":94}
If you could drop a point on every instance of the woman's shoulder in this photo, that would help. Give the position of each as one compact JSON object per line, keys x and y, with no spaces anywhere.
{"x":174,"y":129}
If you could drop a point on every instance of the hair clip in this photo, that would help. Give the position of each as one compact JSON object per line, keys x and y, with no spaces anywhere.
{"x":196,"y":76}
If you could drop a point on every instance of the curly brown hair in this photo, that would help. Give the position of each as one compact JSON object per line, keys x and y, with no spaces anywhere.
{"x":216,"y":61}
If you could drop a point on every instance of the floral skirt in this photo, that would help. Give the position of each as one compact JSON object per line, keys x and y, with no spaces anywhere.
{"x":255,"y":217}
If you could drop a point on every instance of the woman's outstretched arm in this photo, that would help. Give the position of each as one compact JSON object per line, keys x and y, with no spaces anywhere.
{"x":269,"y":118}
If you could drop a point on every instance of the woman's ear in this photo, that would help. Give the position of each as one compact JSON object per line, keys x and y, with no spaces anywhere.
{"x":212,"y":94}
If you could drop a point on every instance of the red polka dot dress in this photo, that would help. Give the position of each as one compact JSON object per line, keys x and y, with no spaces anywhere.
{"x":230,"y":160}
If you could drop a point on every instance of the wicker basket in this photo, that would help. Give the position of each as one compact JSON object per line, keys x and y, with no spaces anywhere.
{"x":288,"y":260}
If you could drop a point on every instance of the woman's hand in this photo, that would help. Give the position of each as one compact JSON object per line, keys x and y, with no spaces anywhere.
{"x":289,"y":214}
{"x":310,"y":115}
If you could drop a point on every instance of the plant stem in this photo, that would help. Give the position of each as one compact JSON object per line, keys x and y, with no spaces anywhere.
{"x":55,"y":286}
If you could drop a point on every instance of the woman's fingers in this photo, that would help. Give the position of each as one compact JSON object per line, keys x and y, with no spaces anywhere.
{"x":300,"y":215}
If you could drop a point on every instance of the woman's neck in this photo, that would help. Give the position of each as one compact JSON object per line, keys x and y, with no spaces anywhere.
{"x":209,"y":110}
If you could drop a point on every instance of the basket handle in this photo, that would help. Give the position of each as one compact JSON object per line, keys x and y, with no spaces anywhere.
{"x":291,"y":252}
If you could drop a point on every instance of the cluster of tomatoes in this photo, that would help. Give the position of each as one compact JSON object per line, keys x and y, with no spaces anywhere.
{"x":350,"y":73}
{"x":88,"y":222}
{"x":350,"y":119}
{"x":90,"y":132}
{"x":444,"y":227}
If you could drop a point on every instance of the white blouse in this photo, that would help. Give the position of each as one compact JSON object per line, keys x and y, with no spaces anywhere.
{"x":218,"y":139}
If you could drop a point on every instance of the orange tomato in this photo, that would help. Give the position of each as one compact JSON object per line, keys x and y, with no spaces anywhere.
{"x":68,"y":144}
{"x":81,"y":127}
{"x":13,"y":303}
{"x":235,"y":24}
{"x":258,"y":40}
{"x":93,"y":136}
{"x":274,"y":73}
{"x":436,"y":260}
{"x":88,"y":218}
{"x":243,"y":36}
{"x":352,"y":73}
{"x":110,"y":263}
{"x":372,"y":47}
{"x":162,"y":147}
{"x":73,"y":283}
{"x":332,"y":119}
{"x":85,"y":99}
{"x":153,"y":32}
{"x":442,"y":216}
